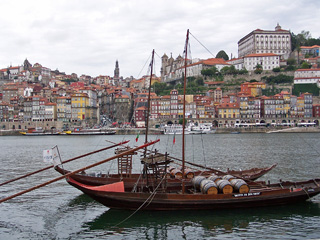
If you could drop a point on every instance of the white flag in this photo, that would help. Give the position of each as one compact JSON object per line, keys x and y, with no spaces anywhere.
{"x":55,"y":156}
{"x":47,"y":156}
{"x":52,"y":156}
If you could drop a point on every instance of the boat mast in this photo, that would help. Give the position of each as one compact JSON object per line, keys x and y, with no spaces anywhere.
{"x":184,"y":110}
{"x":148,"y":109}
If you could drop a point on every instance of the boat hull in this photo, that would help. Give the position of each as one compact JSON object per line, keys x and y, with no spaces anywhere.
{"x":178,"y":201}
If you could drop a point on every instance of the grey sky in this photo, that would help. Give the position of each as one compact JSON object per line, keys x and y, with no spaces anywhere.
{"x":88,"y":36}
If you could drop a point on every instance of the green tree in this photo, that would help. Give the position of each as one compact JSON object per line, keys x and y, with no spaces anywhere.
{"x":258,"y":69}
{"x":222,"y":54}
{"x":200,"y":81}
{"x":181,"y":121}
{"x":277,"y":69}
{"x":162,"y":89}
{"x":210,"y":72}
{"x":229,"y":70}
{"x":281,"y":78}
{"x":243,"y":71}
{"x":305,"y":65}
{"x":291,"y":61}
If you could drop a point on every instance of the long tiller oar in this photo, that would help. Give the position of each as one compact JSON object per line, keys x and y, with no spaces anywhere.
{"x":69,"y":160}
{"x":79,"y":170}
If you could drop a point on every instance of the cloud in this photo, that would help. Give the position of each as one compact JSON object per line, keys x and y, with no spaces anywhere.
{"x":87,"y":37}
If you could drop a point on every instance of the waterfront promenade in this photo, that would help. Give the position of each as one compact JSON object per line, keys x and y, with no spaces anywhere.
{"x":157,"y":131}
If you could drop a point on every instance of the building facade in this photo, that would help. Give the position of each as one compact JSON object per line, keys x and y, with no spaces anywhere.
{"x":266,"y":41}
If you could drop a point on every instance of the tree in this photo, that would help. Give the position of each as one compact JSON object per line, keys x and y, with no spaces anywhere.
{"x":200,"y":81}
{"x":161,"y":88}
{"x":222,"y":54}
{"x":277,"y":69}
{"x":181,"y":121}
{"x":258,"y":69}
{"x":210,"y":72}
{"x":291,"y":61}
{"x":305,"y":65}
{"x":243,"y":71}
{"x":281,"y":78}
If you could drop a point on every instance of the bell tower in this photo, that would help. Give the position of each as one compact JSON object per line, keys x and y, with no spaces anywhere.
{"x":117,"y":71}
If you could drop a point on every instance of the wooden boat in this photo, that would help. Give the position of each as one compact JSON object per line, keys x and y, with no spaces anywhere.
{"x":197,"y":193}
{"x":251,"y":174}
{"x":114,"y":196}
{"x":132,"y":180}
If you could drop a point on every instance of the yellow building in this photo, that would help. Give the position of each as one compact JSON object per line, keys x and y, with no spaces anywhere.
{"x":286,"y":103}
{"x":229,"y":110}
{"x":79,"y":104}
{"x":300,"y":106}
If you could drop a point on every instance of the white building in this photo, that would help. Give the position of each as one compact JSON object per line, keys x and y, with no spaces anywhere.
{"x":268,"y":61}
{"x":266,"y":41}
{"x":313,"y":50}
{"x":237,"y":63}
{"x":307,"y":76}
{"x":194,"y":69}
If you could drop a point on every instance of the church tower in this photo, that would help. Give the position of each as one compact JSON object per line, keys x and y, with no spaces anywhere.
{"x":117,"y":71}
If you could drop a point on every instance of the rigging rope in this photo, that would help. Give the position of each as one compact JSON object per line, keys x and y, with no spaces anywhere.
{"x":144,"y":65}
{"x":201,"y":44}
{"x":152,"y":195}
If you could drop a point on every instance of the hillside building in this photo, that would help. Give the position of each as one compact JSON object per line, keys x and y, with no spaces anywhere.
{"x":266,"y":41}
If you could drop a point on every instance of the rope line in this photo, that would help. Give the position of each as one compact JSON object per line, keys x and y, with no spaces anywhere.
{"x":151,"y":196}
{"x":201,"y":44}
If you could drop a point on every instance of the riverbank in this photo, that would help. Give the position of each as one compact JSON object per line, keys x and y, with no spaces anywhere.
{"x":157,"y":131}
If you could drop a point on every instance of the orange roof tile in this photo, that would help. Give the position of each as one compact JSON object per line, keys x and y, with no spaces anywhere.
{"x":261,"y":55}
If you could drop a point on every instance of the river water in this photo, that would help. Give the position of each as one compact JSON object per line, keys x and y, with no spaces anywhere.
{"x":59,"y":211}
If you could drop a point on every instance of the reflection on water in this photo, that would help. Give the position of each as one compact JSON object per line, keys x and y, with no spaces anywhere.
{"x":206,"y":223}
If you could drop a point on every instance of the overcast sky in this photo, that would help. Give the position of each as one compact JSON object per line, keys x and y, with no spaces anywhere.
{"x":88,"y":36}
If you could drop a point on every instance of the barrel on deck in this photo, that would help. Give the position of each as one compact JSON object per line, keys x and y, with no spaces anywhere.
{"x":196,"y":181}
{"x":224,"y":186}
{"x":214,"y":178}
{"x":228,"y":177}
{"x":176,"y":173}
{"x":208,"y":187}
{"x":188,"y":173}
{"x":240,"y":185}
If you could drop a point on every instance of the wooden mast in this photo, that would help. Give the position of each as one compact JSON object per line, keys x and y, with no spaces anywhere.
{"x":184,"y":110}
{"x":149,"y":97}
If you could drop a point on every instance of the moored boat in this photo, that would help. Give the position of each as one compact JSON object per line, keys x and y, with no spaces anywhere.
{"x":81,"y":132}
{"x":39,"y":132}
{"x":114,"y":196}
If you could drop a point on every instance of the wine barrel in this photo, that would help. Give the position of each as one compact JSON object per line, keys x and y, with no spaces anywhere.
{"x":188,"y":173}
{"x":210,"y":187}
{"x":214,"y":177}
{"x":240,"y":185}
{"x":228,"y":177}
{"x":196,"y":181}
{"x":176,"y":173}
{"x":224,"y":186}
{"x":204,"y":182}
